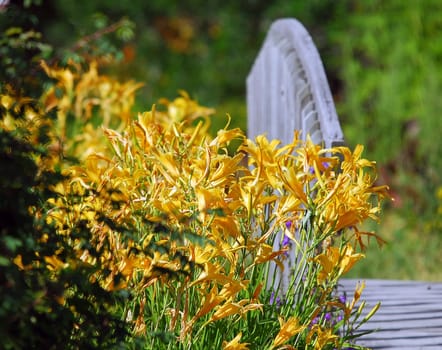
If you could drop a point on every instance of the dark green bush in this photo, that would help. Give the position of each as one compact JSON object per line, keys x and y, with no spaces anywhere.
{"x":40,"y":308}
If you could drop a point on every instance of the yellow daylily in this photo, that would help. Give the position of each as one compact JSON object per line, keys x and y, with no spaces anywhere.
{"x":54,"y":263}
{"x":225,"y":169}
{"x":228,"y":225}
{"x":234,"y":308}
{"x":18,"y":261}
{"x":349,"y":259}
{"x":210,"y":199}
{"x":211,"y":300}
{"x":336,"y":262}
{"x":289,"y":328}
{"x":184,"y":108}
{"x":321,"y":337}
{"x":352,"y":161}
{"x":266,"y":253}
{"x":294,"y":184}
{"x":202,"y":254}
{"x":164,"y":168}
{"x":234,"y":344}
{"x":357,"y":295}
{"x":213,"y":273}
{"x":229,"y":290}
{"x":224,"y":136}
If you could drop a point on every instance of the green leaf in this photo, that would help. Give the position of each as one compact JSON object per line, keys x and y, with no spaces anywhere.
{"x":4,"y":261}
{"x":12,"y":243}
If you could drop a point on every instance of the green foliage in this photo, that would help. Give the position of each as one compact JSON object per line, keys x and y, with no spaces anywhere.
{"x":411,"y":255}
{"x":388,"y":60}
{"x":20,"y":51}
{"x":23,"y":43}
{"x":41,"y":308}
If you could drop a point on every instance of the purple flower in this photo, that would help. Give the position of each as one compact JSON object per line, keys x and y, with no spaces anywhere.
{"x":289,"y":224}
{"x":314,"y":321}
{"x":286,"y":241}
{"x":278,"y":300}
{"x":342,"y":298}
{"x":325,"y":165}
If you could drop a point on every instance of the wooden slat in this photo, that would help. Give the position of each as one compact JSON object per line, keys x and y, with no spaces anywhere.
{"x":410,"y":316}
{"x":287,"y":90}
{"x":287,"y":77}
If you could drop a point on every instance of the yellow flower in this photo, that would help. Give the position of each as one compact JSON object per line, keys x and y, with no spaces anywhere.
{"x":54,"y":263}
{"x":184,"y":108}
{"x":265,"y":253}
{"x":253,"y":197}
{"x":264,"y":158}
{"x":289,"y":328}
{"x":336,"y":262}
{"x":213,"y":272}
{"x":18,"y":261}
{"x":225,"y":169}
{"x":231,"y":289}
{"x":352,"y":161}
{"x":294,"y":182}
{"x":235,"y":308}
{"x":289,"y":204}
{"x":227,"y":225}
{"x":357,"y":295}
{"x":211,"y":300}
{"x":209,"y":199}
{"x":202,"y":254}
{"x":234,"y":344}
{"x":321,"y":337}
{"x":348,"y":259}
{"x":224,"y":136}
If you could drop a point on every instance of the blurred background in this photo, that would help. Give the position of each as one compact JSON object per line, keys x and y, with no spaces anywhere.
{"x":383,"y":60}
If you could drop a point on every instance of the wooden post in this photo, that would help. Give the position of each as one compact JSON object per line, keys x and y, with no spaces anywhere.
{"x":287,"y":90}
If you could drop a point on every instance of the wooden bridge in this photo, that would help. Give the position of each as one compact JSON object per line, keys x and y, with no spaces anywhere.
{"x":410,"y":316}
{"x":287,"y":89}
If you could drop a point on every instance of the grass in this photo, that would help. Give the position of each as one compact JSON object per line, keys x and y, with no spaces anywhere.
{"x":410,"y":254}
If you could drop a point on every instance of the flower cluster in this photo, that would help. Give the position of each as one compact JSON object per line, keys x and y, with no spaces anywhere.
{"x":199,"y":236}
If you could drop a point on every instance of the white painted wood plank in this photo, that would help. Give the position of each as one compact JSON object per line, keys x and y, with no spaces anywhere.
{"x":410,"y":315}
{"x":400,"y":343}
{"x":404,"y":324}
{"x":287,"y":90}
{"x":288,"y":50}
